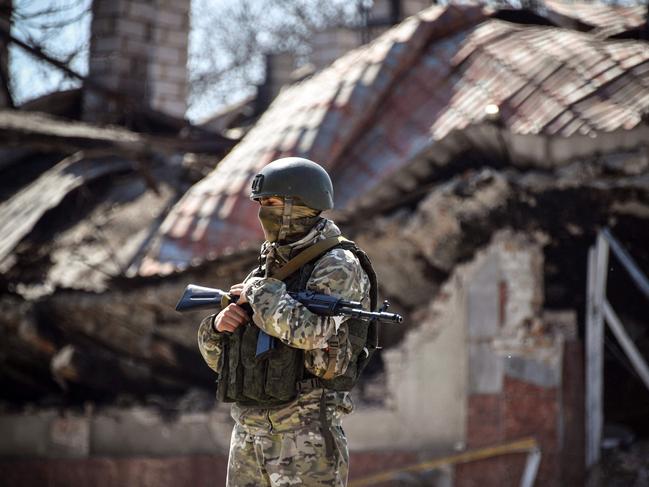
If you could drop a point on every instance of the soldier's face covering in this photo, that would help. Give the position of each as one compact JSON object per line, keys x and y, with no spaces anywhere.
{"x":300,"y":220}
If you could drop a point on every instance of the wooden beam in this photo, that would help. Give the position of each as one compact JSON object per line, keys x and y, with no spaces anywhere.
{"x":616,"y":326}
{"x":597,"y":273}
{"x":49,"y":133}
{"x":525,"y":445}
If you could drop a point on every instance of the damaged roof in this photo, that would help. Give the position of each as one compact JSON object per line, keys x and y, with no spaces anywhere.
{"x":375,"y":109}
{"x":606,"y":20}
{"x":19,"y":214}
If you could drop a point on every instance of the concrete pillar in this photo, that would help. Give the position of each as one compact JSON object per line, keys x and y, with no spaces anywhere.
{"x":138,"y":48}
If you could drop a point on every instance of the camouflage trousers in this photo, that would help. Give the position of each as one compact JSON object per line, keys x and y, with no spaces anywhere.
{"x":290,"y":458}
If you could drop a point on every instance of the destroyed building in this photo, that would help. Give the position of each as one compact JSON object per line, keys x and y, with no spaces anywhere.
{"x":476,"y":154}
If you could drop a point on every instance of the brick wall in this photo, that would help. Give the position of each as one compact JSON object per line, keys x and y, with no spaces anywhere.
{"x":194,"y":470}
{"x":138,"y":48}
{"x":197,"y":471}
{"x":521,"y":410}
{"x":515,"y":364}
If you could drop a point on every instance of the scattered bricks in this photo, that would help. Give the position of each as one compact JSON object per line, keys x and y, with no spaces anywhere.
{"x":169,"y":89}
{"x":171,"y":38}
{"x":138,"y":70}
{"x":120,"y":67}
{"x":132,"y":29}
{"x":143,"y":11}
{"x":102,"y":8}
{"x":157,"y":71}
{"x":178,"y":74}
{"x":136,"y":48}
{"x":106,"y":45}
{"x":110,"y":80}
{"x":171,"y":19}
{"x":177,"y":108}
{"x":134,"y":88}
{"x":104,"y":26}
{"x":169,"y":55}
{"x":175,"y":5}
{"x":100,"y":64}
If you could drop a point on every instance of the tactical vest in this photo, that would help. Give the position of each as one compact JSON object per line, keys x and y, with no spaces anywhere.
{"x":278,"y":376}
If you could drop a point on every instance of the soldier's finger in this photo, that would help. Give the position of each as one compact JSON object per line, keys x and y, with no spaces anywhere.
{"x":235,"y":319}
{"x":226,"y":327}
{"x":220,"y":324}
{"x":237,"y":310}
{"x":236,"y":289}
{"x":229,"y":325}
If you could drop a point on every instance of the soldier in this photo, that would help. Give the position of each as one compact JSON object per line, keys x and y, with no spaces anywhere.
{"x":288,"y":404}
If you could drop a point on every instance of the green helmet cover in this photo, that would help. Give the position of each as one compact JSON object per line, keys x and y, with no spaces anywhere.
{"x":296,"y":177}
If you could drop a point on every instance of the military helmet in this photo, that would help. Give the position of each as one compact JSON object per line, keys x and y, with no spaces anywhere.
{"x":296,"y":177}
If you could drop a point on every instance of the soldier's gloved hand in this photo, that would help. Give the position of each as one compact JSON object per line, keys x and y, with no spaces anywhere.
{"x":230,"y":318}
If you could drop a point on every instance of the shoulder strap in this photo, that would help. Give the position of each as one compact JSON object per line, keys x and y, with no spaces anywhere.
{"x":306,"y":256}
{"x":366,"y":264}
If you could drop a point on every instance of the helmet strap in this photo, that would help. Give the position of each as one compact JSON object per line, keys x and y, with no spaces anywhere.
{"x":286,"y":218}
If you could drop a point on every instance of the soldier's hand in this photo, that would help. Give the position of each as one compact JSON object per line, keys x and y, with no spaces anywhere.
{"x":230,"y":318}
{"x":237,"y":290}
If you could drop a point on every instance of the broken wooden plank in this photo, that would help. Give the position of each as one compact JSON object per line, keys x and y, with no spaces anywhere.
{"x":19,"y":214}
{"x":49,"y":133}
{"x":616,"y":326}
{"x":597,"y":272}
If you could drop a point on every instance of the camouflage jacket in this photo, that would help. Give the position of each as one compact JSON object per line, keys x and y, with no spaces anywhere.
{"x":338,"y":273}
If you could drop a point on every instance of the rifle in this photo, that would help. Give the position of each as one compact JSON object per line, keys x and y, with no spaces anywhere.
{"x":199,"y":297}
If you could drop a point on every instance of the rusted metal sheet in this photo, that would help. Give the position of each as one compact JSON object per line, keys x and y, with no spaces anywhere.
{"x":378,"y":107}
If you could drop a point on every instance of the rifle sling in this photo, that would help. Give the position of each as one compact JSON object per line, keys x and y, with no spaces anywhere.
{"x":306,"y":256}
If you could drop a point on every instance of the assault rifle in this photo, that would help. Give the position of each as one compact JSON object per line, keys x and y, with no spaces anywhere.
{"x":199,"y":297}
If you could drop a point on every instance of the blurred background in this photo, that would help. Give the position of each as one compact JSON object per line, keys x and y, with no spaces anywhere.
{"x":492,"y":159}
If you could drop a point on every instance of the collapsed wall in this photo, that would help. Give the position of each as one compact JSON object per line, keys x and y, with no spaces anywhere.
{"x":479,"y":360}
{"x":480,"y":366}
{"x":479,"y":349}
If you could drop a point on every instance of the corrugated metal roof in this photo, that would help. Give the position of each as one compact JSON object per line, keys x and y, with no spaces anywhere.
{"x":606,"y":20}
{"x":374,"y":109}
